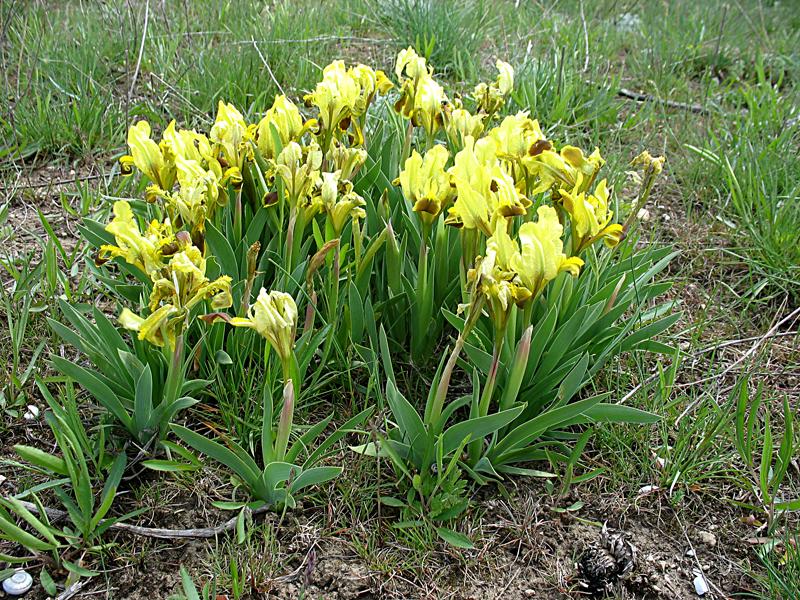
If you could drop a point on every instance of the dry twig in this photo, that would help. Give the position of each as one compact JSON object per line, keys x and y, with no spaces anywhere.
{"x":158,"y":532}
{"x":639,"y":97}
{"x":141,"y":49}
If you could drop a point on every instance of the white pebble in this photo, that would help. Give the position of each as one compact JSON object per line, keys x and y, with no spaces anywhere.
{"x":700,"y":585}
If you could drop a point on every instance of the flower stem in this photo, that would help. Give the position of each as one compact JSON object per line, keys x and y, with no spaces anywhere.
{"x":237,"y":215}
{"x":287,"y":412}
{"x":433,"y":415}
{"x":290,"y":241}
{"x":333,"y":297}
{"x":174,"y":381}
{"x":500,"y":327}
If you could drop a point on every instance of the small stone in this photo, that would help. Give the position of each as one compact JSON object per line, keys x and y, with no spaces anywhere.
{"x":707,"y":538}
{"x":32,"y":412}
{"x":643,"y":215}
{"x":700,"y":585}
{"x":690,"y":552}
{"x":529,"y":593}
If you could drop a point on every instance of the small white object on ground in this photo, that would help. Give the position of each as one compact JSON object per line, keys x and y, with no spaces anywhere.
{"x":700,"y":585}
{"x":18,"y":584}
{"x":32,"y":413}
{"x":708,"y":538}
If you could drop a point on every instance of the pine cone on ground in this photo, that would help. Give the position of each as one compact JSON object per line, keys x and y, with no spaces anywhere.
{"x":605,"y":562}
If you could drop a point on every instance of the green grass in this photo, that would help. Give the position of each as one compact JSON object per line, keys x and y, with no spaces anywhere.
{"x":733,"y":180}
{"x":782,"y":565}
{"x":76,"y":96}
{"x":449,"y":33}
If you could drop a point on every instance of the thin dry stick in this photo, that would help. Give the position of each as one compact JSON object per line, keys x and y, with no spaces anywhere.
{"x":741,"y":341}
{"x":760,"y":340}
{"x":636,"y":389}
{"x":31,"y":186}
{"x":266,"y":64}
{"x":158,"y":532}
{"x":585,"y":40}
{"x":321,"y":38}
{"x":141,"y":48}
{"x":694,"y":554}
{"x":73,"y":589}
{"x":695,"y":108}
{"x":197,"y":112}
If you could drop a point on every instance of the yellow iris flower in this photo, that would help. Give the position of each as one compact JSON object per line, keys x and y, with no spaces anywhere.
{"x":231,"y":137}
{"x":185,"y":144}
{"x":335,"y":96}
{"x":347,"y":160}
{"x":471,"y":173}
{"x":512,"y":273}
{"x":541,"y":255}
{"x":423,"y":102}
{"x":184,"y":284}
{"x":485,"y":191}
{"x":160,"y":328}
{"x":145,"y":251}
{"x":422,"y":99}
{"x":178,"y":287}
{"x":491,"y":96}
{"x":591,"y":217}
{"x":410,"y":65}
{"x":274,"y":317}
{"x":372,"y":82}
{"x":497,"y":279}
{"x":426,"y":184}
{"x":199,"y":194}
{"x":344,"y":95}
{"x":340,"y":202}
{"x":566,"y":169}
{"x":648,"y":162}
{"x":202,"y":189}
{"x":505,"y":79}
{"x":285,"y":118}
{"x":156,"y":161}
{"x":459,"y":123}
{"x":298,"y":167}
{"x":519,"y":140}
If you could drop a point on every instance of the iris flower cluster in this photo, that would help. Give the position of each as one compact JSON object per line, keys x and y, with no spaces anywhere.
{"x":310,"y":164}
{"x":526,"y":210}
{"x":508,"y":189}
